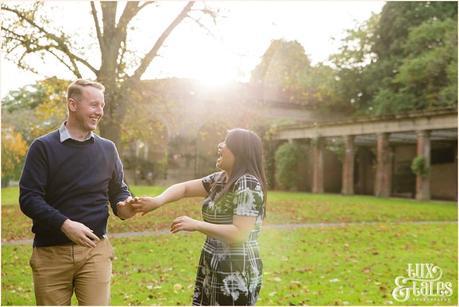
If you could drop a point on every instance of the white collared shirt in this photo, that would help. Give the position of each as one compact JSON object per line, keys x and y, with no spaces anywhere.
{"x":64,"y":134}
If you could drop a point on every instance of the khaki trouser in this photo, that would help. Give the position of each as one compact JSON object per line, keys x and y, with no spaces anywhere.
{"x":60,"y":270}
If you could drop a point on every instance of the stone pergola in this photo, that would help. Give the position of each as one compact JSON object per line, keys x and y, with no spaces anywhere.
{"x":418,"y":128}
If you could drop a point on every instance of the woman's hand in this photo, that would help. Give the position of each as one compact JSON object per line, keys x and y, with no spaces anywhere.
{"x":145,"y":204}
{"x":184,"y":223}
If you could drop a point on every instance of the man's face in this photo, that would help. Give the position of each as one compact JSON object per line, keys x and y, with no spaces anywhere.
{"x":89,"y":109}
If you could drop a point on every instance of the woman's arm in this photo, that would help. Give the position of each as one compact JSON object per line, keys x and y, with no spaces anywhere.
{"x":230,"y":233}
{"x":192,"y":188}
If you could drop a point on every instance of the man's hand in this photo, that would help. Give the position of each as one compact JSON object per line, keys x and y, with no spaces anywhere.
{"x":79,"y":233}
{"x":145,"y":204}
{"x":124,"y":210}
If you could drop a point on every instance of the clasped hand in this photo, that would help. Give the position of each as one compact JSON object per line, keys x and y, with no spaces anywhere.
{"x":146,"y":204}
{"x":143,"y":204}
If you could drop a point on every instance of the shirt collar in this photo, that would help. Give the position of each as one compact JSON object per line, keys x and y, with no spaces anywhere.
{"x":65,"y":134}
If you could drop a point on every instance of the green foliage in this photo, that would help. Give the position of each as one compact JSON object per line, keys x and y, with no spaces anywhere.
{"x":283,"y":64}
{"x":285,"y":74}
{"x":323,"y":92}
{"x":266,"y":131}
{"x":287,"y":159}
{"x":398,"y":18}
{"x":282,"y":72}
{"x":387,"y":101}
{"x":144,"y":140}
{"x":36,"y":109}
{"x":337,"y":146}
{"x":14,"y":149}
{"x":419,"y":166}
{"x":426,"y":71}
{"x":357,"y":46}
{"x":403,"y":59}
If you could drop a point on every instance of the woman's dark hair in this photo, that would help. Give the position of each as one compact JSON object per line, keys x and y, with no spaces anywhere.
{"x":247,"y":149}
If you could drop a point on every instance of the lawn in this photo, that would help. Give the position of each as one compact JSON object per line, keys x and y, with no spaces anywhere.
{"x":336,"y":265}
{"x":283,"y":208}
{"x":318,"y":266}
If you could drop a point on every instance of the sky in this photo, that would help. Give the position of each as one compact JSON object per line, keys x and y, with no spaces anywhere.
{"x":231,"y":48}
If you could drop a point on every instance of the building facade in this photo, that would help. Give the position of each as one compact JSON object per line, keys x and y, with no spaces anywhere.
{"x":378,"y":155}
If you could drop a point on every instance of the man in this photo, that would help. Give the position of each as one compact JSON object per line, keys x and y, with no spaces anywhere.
{"x":69,"y":177}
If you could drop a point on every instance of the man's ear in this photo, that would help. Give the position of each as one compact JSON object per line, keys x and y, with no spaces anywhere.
{"x":73,"y":105}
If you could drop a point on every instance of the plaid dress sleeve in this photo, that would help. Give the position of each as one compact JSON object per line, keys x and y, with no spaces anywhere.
{"x":248,"y":197}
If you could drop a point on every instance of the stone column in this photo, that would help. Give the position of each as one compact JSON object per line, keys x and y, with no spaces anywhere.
{"x":318,"y":167}
{"x":348,"y":166}
{"x":384,"y":166}
{"x":423,"y":150}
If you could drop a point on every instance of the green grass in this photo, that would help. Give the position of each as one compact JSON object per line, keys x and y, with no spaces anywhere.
{"x":283,"y":207}
{"x":10,"y":196}
{"x":318,"y":266}
{"x":355,"y":264}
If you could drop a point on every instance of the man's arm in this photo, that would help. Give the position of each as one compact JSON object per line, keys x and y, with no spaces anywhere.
{"x":32,"y":186}
{"x":118,"y":191}
{"x":32,"y":202}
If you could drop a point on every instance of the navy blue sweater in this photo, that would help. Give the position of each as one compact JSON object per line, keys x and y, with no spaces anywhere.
{"x":70,"y":180}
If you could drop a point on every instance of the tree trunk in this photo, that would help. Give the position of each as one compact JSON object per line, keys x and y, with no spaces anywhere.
{"x":110,"y":126}
{"x":117,"y":98}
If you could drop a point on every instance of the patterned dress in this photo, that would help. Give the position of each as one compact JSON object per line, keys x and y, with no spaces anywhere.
{"x":230,"y":274}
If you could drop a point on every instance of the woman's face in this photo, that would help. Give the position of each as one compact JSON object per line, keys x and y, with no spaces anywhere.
{"x":225,"y":160}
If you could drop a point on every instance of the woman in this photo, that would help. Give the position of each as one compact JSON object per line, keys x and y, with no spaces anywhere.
{"x":230,"y":268}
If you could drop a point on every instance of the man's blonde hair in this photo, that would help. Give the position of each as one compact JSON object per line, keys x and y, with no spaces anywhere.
{"x":76,"y":87}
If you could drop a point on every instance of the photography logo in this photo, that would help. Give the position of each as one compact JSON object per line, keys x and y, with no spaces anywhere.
{"x":423,"y":283}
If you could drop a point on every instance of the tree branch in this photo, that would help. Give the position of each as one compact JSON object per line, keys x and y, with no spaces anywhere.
{"x":154,"y":50}
{"x":31,"y":46}
{"x":145,"y":4}
{"x":200,"y":24}
{"x":97,"y":25}
{"x":59,"y":40}
{"x":130,"y":10}
{"x":75,"y":70}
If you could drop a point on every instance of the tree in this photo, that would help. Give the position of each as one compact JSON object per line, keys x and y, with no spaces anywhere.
{"x":36,"y":109}
{"x":14,"y":149}
{"x":27,"y":32}
{"x":416,"y":47}
{"x":285,"y":75}
{"x":402,"y":59}
{"x":283,"y":69}
{"x":283,"y":63}
{"x":288,"y":158}
{"x":398,"y":18}
{"x":429,"y":70}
